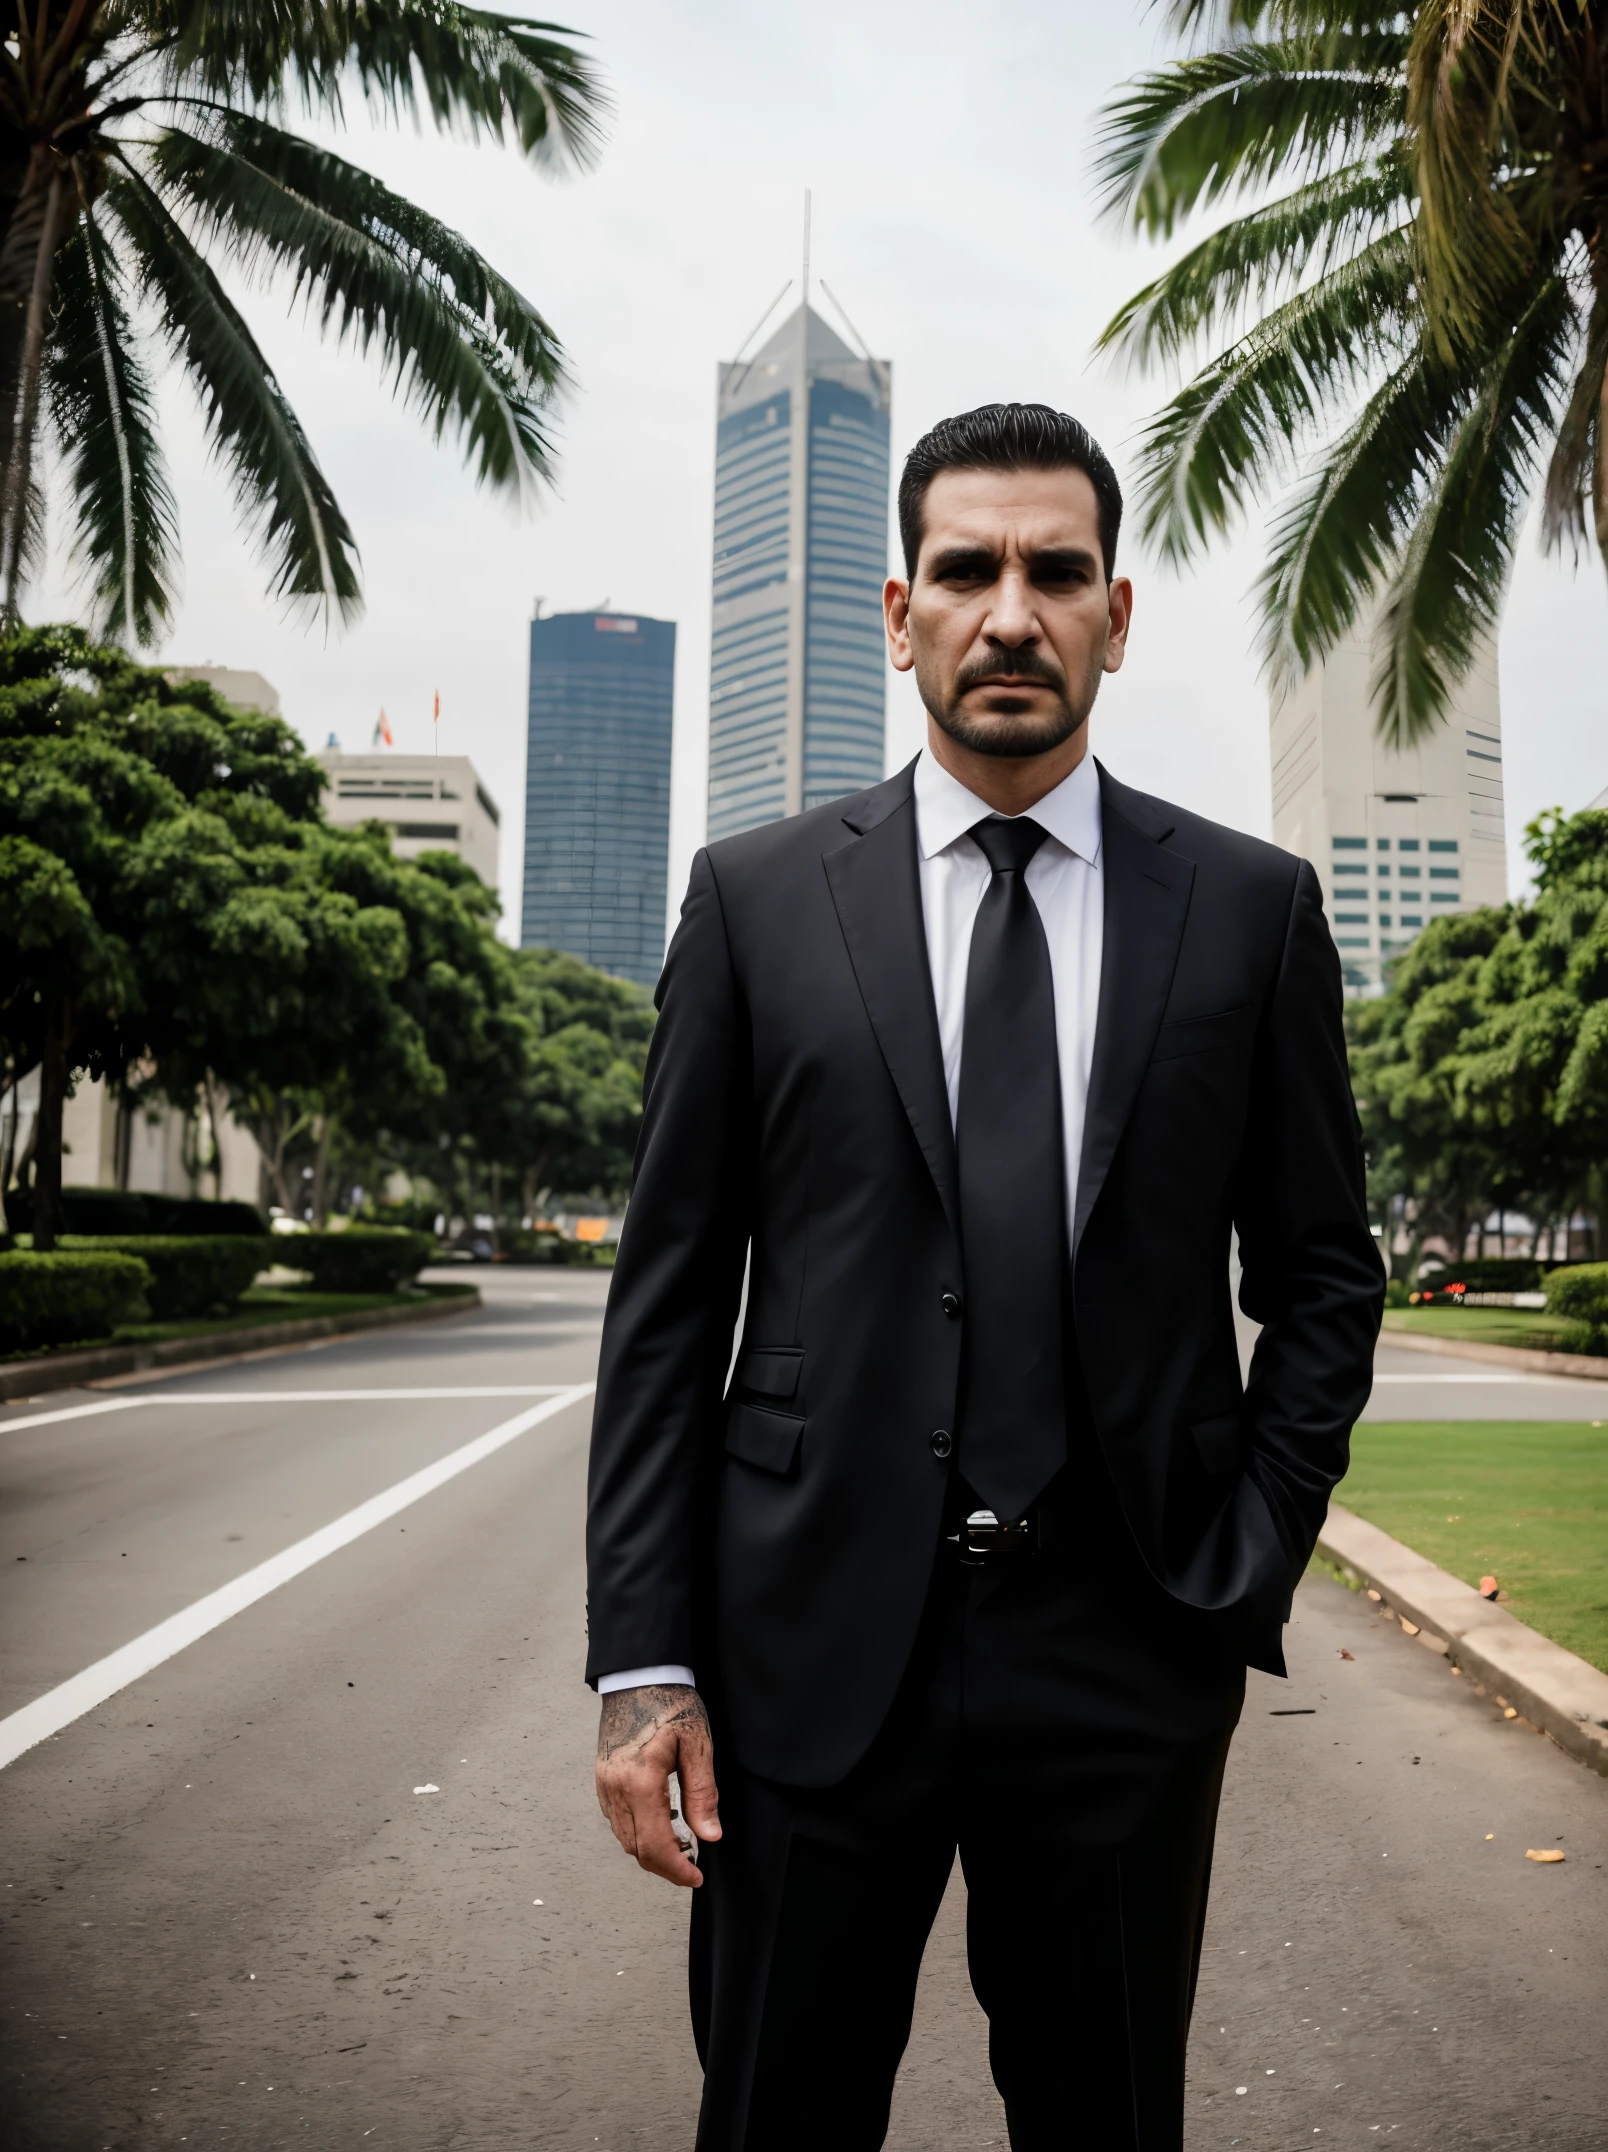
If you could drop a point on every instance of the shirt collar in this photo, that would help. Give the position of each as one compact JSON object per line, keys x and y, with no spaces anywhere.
{"x":945,"y":810}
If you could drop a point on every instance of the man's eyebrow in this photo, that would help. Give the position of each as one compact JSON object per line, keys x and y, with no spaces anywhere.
{"x":1061,"y":556}
{"x":962,"y":554}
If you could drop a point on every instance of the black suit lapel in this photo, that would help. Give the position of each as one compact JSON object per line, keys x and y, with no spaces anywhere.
{"x":876,"y":887}
{"x":1147,"y":892}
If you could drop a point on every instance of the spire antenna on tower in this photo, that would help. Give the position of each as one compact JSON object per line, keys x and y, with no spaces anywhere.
{"x":806,"y":246}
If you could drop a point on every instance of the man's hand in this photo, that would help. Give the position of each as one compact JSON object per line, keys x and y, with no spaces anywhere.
{"x":644,"y":1735}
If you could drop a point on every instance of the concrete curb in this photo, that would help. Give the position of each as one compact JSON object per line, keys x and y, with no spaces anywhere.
{"x":109,"y":1363}
{"x":1584,"y":1365}
{"x":1562,"y":1694}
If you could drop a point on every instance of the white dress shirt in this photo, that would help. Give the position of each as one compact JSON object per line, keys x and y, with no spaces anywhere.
{"x":1066,"y":880}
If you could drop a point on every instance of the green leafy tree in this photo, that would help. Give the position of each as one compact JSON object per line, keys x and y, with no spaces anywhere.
{"x":162,"y":893}
{"x":581,"y":1102}
{"x":1482,"y":1075}
{"x":1409,"y":328}
{"x":552,"y":1102}
{"x":143,"y":151}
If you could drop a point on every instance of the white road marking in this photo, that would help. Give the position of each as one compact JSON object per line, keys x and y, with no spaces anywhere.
{"x":283,"y":1397}
{"x":74,"y":1412}
{"x":49,"y":1713}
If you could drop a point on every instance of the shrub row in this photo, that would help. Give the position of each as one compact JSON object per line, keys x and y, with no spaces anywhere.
{"x":92,"y":1283}
{"x":64,"y":1298}
{"x":364,"y":1259}
{"x":191,"y":1273}
{"x":1487,"y":1274}
{"x":121,"y":1211}
{"x":1580,"y":1294}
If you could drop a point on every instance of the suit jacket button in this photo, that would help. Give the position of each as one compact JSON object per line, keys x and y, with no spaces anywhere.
{"x":950,"y":1303}
{"x":942,"y":1442}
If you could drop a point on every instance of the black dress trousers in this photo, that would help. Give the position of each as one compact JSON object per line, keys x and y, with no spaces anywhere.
{"x":1064,"y":1725}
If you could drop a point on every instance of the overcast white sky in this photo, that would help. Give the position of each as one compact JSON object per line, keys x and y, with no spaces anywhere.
{"x":948,"y":151}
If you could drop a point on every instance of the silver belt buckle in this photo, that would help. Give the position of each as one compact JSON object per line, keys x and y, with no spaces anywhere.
{"x":983,"y":1536}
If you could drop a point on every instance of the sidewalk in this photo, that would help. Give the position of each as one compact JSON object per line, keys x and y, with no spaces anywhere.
{"x":1552,"y":1688}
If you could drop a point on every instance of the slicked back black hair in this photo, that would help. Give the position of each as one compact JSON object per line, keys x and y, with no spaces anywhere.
{"x":1008,"y":437}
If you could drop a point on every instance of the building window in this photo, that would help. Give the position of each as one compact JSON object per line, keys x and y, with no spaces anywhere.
{"x":1443,"y":874}
{"x":1384,"y":919}
{"x":1350,"y":866}
{"x":1443,"y":896}
{"x":1411,"y":919}
{"x":1351,"y":941}
{"x":1383,"y":843}
{"x":1349,"y":844}
{"x":1414,"y":872}
{"x":1351,"y":919}
{"x":1407,"y":844}
{"x":1384,"y":869}
{"x":1443,"y":844}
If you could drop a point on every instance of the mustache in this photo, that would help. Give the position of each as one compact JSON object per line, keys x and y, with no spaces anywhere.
{"x":1028,"y":664}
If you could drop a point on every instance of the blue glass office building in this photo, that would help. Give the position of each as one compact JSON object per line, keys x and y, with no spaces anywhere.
{"x":797,"y":661}
{"x":597,"y":789}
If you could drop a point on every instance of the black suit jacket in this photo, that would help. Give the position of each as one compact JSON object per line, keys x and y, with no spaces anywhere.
{"x":795,"y":1114}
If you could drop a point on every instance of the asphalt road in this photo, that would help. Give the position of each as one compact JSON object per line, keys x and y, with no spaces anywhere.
{"x":232,"y":1918}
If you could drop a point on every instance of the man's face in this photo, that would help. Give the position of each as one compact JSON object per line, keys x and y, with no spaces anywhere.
{"x":1009,"y":621}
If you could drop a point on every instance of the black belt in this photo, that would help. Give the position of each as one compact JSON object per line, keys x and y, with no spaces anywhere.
{"x":980,"y":1540}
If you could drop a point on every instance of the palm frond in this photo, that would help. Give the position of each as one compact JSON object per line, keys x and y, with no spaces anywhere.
{"x":103,"y":414}
{"x":1242,"y":116}
{"x":1236,"y":426}
{"x":491,"y":73}
{"x":1333,"y":541}
{"x":1250,"y":260}
{"x":1469,"y":70}
{"x":278,"y":485}
{"x":464,"y":346}
{"x":1576,"y":469}
{"x":1448,"y":591}
{"x":479,"y":71}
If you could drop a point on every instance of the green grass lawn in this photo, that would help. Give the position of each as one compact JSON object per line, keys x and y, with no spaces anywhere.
{"x":1524,"y":1501}
{"x":1533,"y":1327}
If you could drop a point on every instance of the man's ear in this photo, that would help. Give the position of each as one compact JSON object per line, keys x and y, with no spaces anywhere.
{"x":896,"y":618}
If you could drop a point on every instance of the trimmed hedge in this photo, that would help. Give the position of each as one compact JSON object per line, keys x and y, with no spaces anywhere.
{"x":66,"y":1297}
{"x":1487,"y":1274}
{"x":190,"y":1274}
{"x":118,"y":1212}
{"x":363,"y":1259}
{"x":1579,"y":1291}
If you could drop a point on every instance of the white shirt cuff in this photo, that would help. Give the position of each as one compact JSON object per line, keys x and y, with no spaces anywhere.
{"x":646,"y":1677}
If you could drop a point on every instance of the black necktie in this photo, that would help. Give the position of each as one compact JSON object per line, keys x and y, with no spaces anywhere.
{"x":1012,"y":1189}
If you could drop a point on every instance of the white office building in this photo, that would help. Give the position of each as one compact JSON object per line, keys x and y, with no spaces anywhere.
{"x":430,"y":803}
{"x":1399,"y":837}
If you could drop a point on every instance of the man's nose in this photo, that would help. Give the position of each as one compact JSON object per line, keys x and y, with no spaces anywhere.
{"x":1012,"y":618}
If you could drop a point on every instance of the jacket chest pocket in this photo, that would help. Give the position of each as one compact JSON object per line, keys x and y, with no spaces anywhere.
{"x":1202,"y":1034}
{"x":760,"y":1430}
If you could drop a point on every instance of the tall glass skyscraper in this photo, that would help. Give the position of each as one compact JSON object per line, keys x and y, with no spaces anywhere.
{"x":801,"y":551}
{"x":597,"y":789}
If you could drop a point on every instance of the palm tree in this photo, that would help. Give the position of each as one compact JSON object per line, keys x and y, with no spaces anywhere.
{"x":1406,"y":334}
{"x":141,"y":151}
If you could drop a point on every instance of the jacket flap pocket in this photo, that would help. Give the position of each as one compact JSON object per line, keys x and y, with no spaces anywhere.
{"x":766,"y":1439}
{"x":771,"y":1370}
{"x":1221,"y":1442}
{"x":1199,"y":1034}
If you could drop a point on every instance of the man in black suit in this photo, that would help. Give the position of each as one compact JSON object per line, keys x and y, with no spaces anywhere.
{"x":971,"y":1543}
